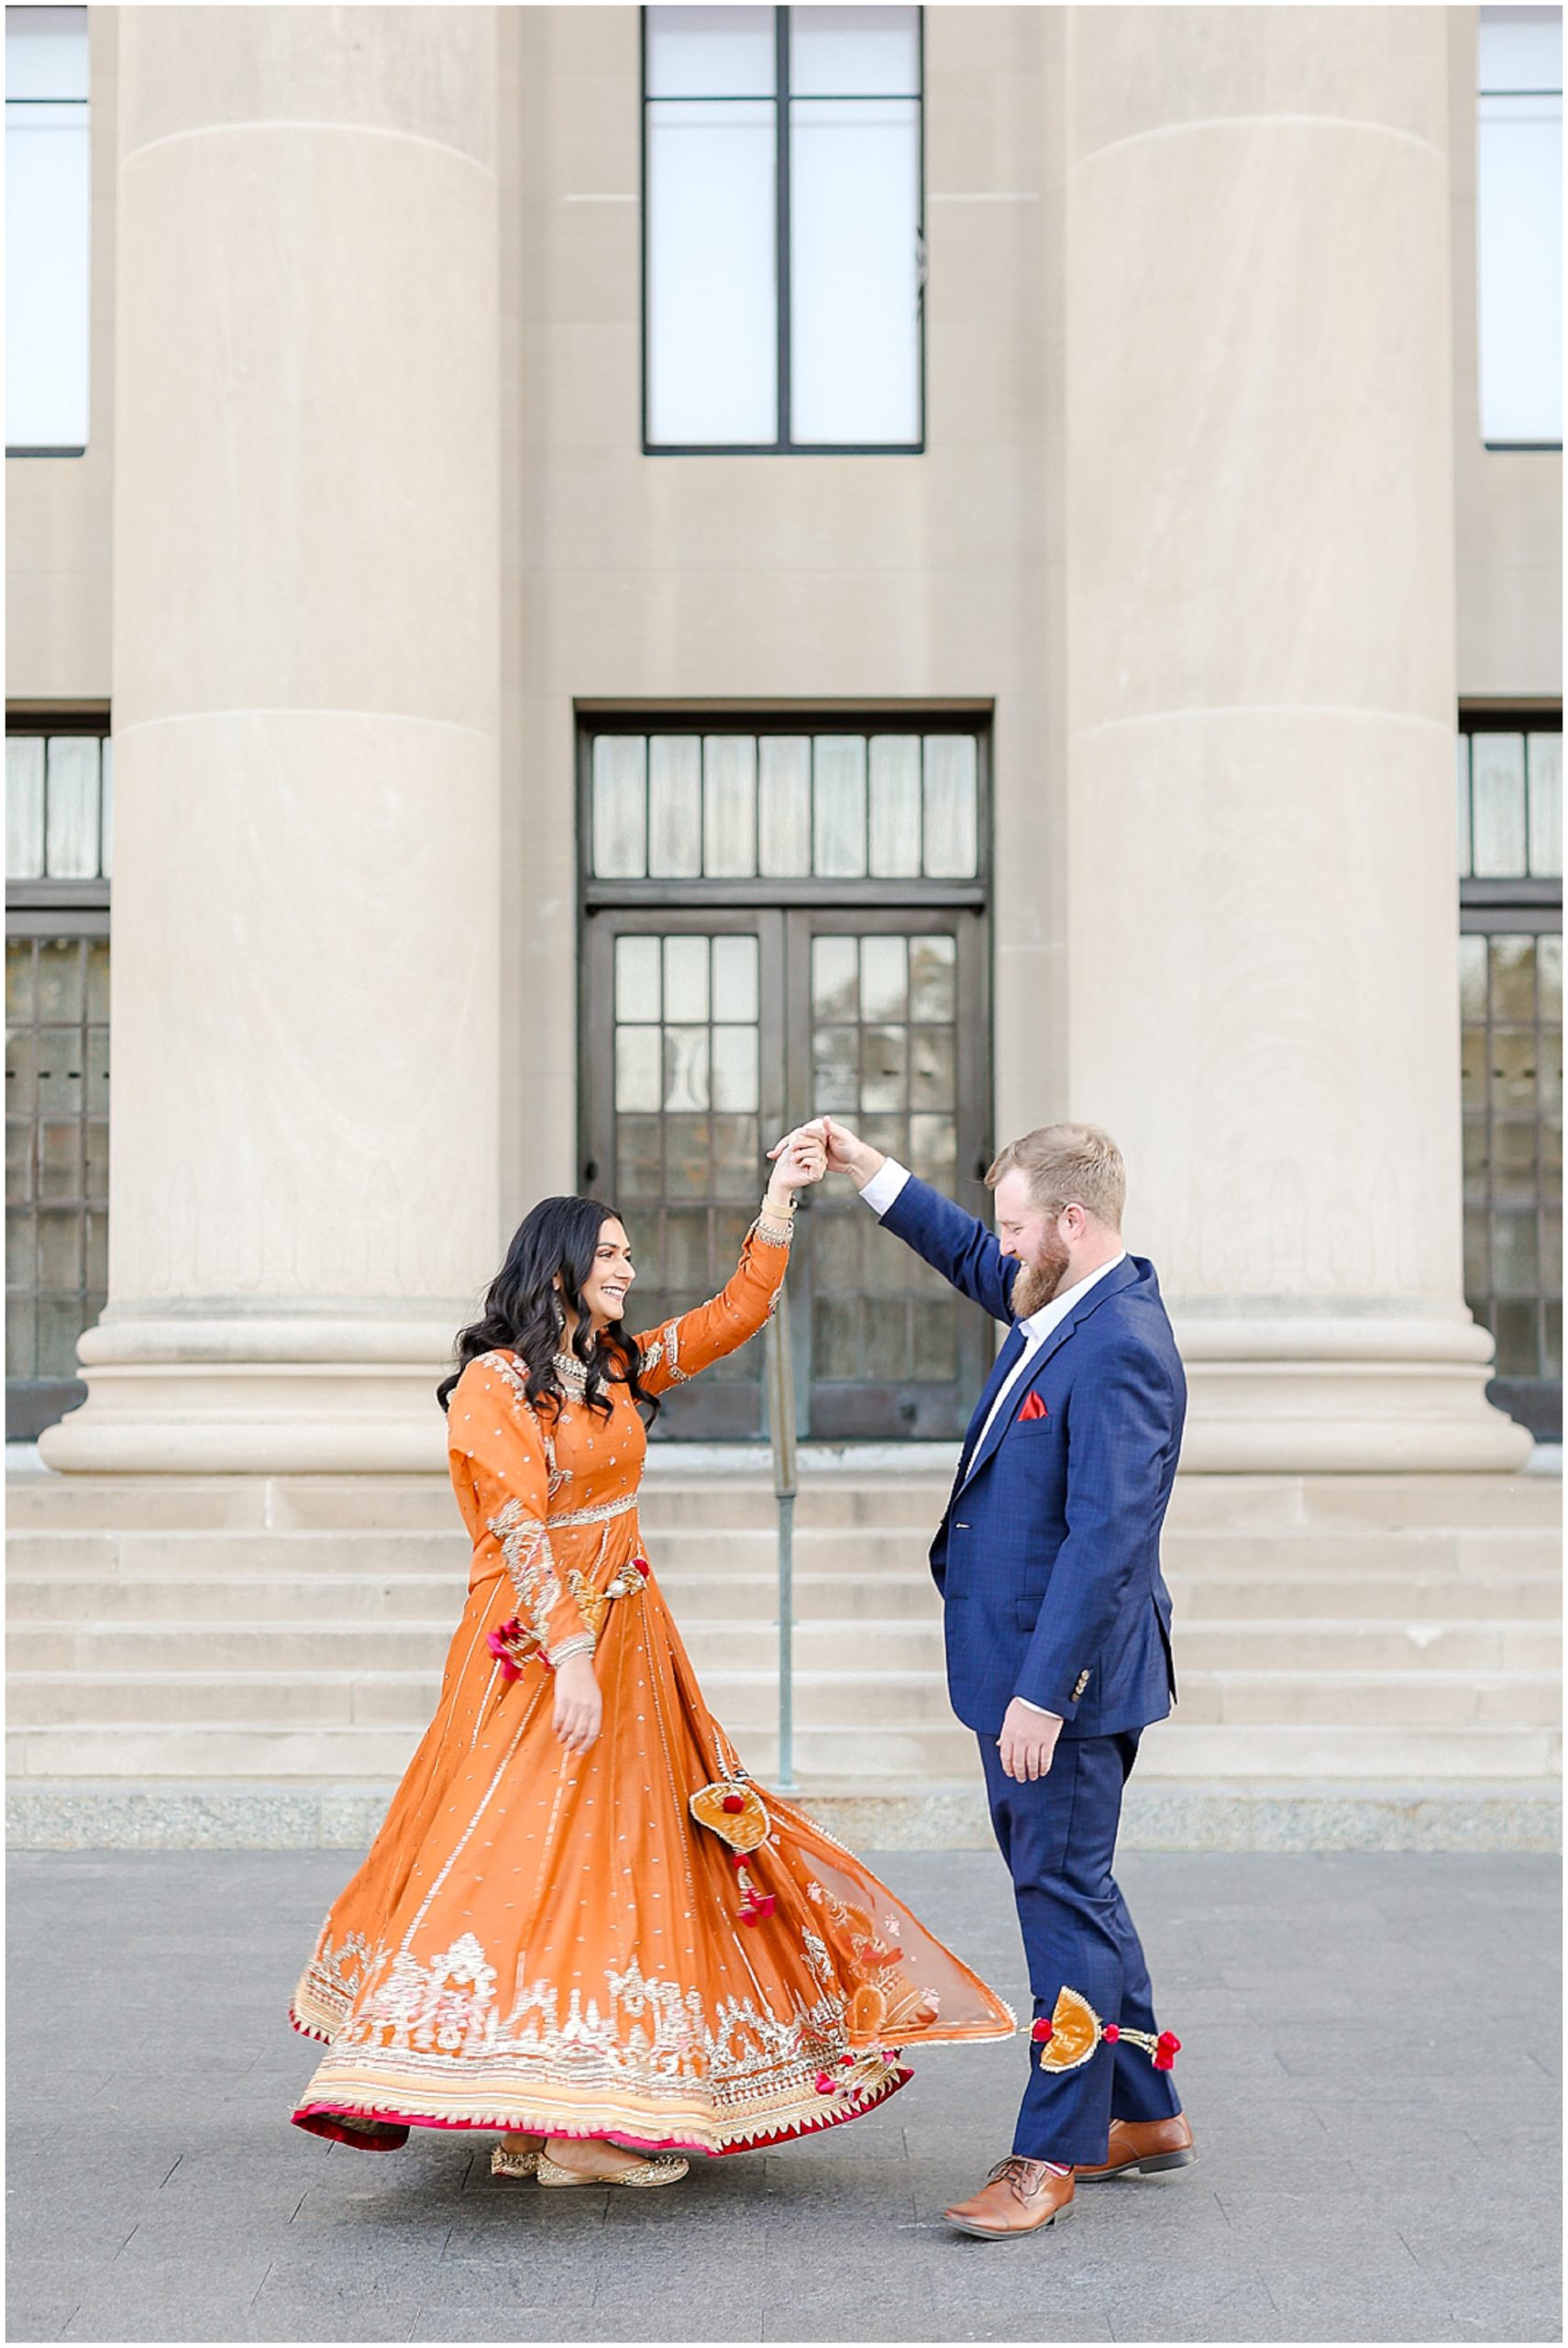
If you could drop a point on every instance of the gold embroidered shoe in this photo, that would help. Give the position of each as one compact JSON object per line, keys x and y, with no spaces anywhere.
{"x":664,"y":2168}
{"x":505,"y":2163}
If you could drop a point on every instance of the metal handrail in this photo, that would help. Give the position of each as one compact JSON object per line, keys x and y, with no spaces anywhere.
{"x":781,"y":1418}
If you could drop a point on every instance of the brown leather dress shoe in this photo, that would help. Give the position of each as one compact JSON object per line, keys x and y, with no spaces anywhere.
{"x":1019,"y":2197}
{"x":1143,"y":2148}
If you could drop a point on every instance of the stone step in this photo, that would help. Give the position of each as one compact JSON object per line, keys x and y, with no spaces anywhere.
{"x":900,"y":1756}
{"x":234,"y":1643}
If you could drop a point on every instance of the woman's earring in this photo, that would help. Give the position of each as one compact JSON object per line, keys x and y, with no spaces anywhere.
{"x":557,"y":1311}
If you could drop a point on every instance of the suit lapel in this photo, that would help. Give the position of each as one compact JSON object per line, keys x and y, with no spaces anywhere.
{"x":1123,"y":1276}
{"x":1008,"y":1355}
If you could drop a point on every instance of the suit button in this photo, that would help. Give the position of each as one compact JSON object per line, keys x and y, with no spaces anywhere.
{"x":960,"y":1528}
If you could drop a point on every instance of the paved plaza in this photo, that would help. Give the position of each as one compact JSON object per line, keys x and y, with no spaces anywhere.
{"x":1369,"y":2060}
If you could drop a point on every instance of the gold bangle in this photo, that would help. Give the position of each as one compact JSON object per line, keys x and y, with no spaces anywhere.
{"x":770,"y":1205}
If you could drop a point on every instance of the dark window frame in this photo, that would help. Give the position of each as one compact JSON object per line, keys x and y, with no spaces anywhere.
{"x":784,"y":446}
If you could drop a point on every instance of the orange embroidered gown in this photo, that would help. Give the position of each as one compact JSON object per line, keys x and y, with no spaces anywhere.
{"x":552,"y":1942}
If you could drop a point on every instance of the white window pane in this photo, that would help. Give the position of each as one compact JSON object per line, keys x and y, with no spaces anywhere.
{"x":784,"y":806}
{"x":729,"y":806}
{"x":675,"y":807}
{"x":885,"y":978}
{"x":712,"y":52}
{"x":855,"y":272}
{"x":107,"y":836}
{"x":711,"y":275}
{"x":71,"y":850}
{"x":838,"y":829}
{"x":25,"y":807}
{"x":46,"y":53}
{"x":895,"y":805}
{"x":686,"y":978}
{"x":735,"y":979}
{"x":1546,"y":805}
{"x":1520,"y":49}
{"x":638,"y":1067}
{"x":735,"y":1069}
{"x":638,"y":966}
{"x":1519,"y":263}
{"x":855,"y":52}
{"x":685,"y":1067}
{"x":47,"y":244}
{"x":620,"y":807}
{"x":836,"y":978}
{"x":952,"y":816}
{"x":1498,"y":796}
{"x":1462,"y":804}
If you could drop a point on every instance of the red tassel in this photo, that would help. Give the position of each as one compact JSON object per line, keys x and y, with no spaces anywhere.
{"x":735,"y":1802}
{"x":643,"y":1568}
{"x":739,"y":1858}
{"x":826,"y":2086}
{"x":1041,"y":2032}
{"x":748,"y":1915}
{"x":766,"y":1904}
{"x":1111,"y":2033}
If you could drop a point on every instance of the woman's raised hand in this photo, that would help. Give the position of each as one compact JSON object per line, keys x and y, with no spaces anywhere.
{"x":800,"y":1157}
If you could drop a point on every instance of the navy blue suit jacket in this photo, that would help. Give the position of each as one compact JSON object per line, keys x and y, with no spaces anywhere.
{"x":1048,"y":1555}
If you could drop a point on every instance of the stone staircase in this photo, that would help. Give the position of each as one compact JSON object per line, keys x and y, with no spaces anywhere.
{"x":1351,"y":1631}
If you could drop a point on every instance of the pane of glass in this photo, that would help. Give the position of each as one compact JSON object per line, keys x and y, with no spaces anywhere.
{"x":18,"y":1163}
{"x":887,"y":1337}
{"x":639,"y":1172}
{"x":835,"y":1249}
{"x":107,"y":808}
{"x":675,"y":806}
{"x":19,"y":1337}
{"x":728,"y":806}
{"x":738,"y":1169}
{"x":1497,"y":760}
{"x":685,"y":1067}
{"x":784,"y":806}
{"x":710,"y":52}
{"x":620,"y":807}
{"x":1517,"y":1355}
{"x":686,"y":1248}
{"x":1513,"y":1162}
{"x":1552,"y":1356}
{"x":1546,"y":805}
{"x":98,"y":979}
{"x":838,"y":830}
{"x":20,"y":993}
{"x":855,"y":52}
{"x":686,"y":1147}
{"x":1515,"y":1266}
{"x":1548,"y":965}
{"x":1549,"y":1075}
{"x":686,"y":978}
{"x":59,"y":1071}
{"x":1462,"y":804}
{"x":97,"y":1071}
{"x":734,"y":1069}
{"x":729,"y":1235}
{"x":1520,"y":260}
{"x":1513,"y":1071}
{"x":712,"y":323}
{"x":855,"y":272}
{"x":933,"y":978}
{"x":1477,"y":1263}
{"x":60,"y":979}
{"x":24,"y":807}
{"x":934,"y":1150}
{"x":735,"y":979}
{"x":59,"y":1248}
{"x":935,"y":1340}
{"x":951,"y":767}
{"x":21,"y":1072}
{"x":932,"y":1073}
{"x":884,"y":978}
{"x":97,"y":1158}
{"x":884,"y":1068}
{"x":1473,"y":977}
{"x":60,"y":1323}
{"x":20,"y":1259}
{"x":1519,"y":49}
{"x":895,"y":805}
{"x":638,"y":1063}
{"x":1513,"y":978}
{"x":1551,"y":1250}
{"x":1473,"y":1067}
{"x":1477,"y":1159}
{"x":72,"y":847}
{"x":834,"y":1068}
{"x":1551,"y":1153}
{"x":836,"y":978}
{"x":889,"y":1135}
{"x":836,"y":1336}
{"x":48,"y":243}
{"x":638,"y":966}
{"x":60,"y":1161}
{"x":97,"y":1258}
{"x":888,"y":1268}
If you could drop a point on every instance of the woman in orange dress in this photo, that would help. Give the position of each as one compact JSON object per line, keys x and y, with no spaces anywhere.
{"x":581,"y":1925}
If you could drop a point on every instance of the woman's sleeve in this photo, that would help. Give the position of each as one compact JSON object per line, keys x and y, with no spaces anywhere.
{"x":679,"y":1348}
{"x":493,"y":1426}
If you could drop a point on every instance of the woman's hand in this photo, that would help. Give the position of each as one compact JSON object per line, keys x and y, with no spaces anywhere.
{"x":580,"y":1707}
{"x":800,"y":1157}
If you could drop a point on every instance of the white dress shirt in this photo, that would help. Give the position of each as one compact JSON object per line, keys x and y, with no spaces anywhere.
{"x":879,"y":1193}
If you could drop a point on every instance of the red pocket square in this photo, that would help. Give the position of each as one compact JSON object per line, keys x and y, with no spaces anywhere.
{"x":1033,"y":1408}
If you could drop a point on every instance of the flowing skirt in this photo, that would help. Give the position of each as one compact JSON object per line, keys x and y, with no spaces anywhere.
{"x":547,"y":1942}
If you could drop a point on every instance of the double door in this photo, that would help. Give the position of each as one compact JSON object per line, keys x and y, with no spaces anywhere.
{"x":707,"y":1033}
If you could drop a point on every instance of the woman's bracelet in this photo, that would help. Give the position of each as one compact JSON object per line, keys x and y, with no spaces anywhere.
{"x":777,"y":1220}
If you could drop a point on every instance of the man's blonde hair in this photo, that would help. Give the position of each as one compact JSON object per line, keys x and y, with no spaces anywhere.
{"x":1068,"y":1165}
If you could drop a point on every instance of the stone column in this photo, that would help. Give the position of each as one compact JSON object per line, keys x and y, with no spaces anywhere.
{"x":303,"y":1191}
{"x":1262,"y":989}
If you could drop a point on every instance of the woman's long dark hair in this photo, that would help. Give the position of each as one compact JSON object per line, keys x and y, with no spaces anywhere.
{"x":521,"y":1311}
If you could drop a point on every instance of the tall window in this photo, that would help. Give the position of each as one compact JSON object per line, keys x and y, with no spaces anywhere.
{"x":47,"y":231}
{"x":781,"y":224}
{"x":1510,"y":893}
{"x":58,"y":816}
{"x":1519,"y":227}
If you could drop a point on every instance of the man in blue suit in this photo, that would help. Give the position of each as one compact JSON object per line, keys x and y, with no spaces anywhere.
{"x":1058,"y":1624}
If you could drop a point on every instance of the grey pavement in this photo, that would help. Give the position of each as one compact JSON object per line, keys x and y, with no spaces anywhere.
{"x":1370,"y":2062}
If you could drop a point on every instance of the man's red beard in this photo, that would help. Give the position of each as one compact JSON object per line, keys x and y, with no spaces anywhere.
{"x":1039,"y":1278}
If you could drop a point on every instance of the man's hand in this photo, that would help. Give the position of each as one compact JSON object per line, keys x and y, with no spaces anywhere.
{"x":1027,"y":1742}
{"x":580,"y":1707}
{"x":800,"y":1157}
{"x":845,"y":1153}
